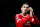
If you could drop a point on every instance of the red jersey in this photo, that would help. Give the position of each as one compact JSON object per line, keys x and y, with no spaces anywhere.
{"x":25,"y":21}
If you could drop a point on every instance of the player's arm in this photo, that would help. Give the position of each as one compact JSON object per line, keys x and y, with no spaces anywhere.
{"x":21,"y":21}
{"x":36,"y":20}
{"x":32,"y":20}
{"x":31,"y":15}
{"x":31,"y":11}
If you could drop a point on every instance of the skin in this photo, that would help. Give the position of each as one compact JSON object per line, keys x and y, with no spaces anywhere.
{"x":25,"y":10}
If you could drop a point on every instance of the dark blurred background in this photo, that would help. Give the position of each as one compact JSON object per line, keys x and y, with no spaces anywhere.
{"x":9,"y":8}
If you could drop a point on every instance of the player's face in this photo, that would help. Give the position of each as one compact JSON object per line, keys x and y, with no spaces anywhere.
{"x":24,"y":8}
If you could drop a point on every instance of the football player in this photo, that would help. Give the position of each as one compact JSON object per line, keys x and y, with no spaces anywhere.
{"x":23,"y":19}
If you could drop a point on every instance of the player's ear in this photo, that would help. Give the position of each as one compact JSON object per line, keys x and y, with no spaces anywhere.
{"x":21,"y":8}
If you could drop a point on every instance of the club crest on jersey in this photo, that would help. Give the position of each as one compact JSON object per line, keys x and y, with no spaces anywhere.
{"x":17,"y":18}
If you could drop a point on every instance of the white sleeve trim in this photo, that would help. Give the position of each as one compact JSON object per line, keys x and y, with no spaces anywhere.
{"x":32,"y":19}
{"x":18,"y":20}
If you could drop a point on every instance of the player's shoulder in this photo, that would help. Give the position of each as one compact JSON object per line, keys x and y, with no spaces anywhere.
{"x":18,"y":14}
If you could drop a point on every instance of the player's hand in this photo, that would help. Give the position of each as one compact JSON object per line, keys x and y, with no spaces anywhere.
{"x":31,"y":11}
{"x":30,"y":8}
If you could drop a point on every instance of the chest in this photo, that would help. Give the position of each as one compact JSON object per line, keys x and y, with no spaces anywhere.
{"x":27,"y":23}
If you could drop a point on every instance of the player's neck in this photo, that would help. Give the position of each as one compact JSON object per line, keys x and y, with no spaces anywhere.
{"x":24,"y":14}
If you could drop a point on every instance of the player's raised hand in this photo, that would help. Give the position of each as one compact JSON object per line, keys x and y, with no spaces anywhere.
{"x":30,"y":8}
{"x":31,"y":11}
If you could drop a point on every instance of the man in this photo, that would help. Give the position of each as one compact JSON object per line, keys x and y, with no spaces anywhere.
{"x":23,"y":19}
